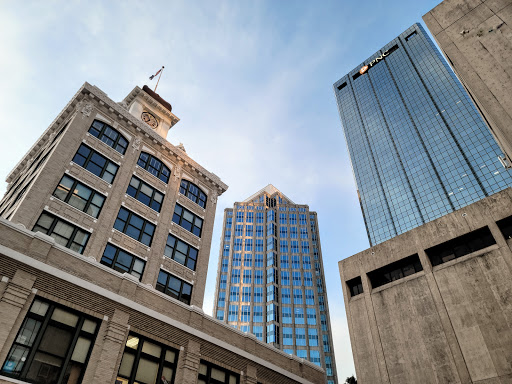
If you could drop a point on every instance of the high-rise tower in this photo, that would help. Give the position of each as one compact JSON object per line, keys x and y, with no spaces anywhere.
{"x":270,"y":279}
{"x":418,"y":147}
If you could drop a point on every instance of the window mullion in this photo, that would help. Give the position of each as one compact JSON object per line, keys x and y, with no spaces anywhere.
{"x":70,"y":350}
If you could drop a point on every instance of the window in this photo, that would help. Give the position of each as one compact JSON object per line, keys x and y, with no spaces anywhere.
{"x":311,"y":316}
{"x":80,"y":196}
{"x":271,"y":275}
{"x":300,"y":337}
{"x":246,"y":314}
{"x":305,"y":246}
{"x":313,"y":337}
{"x":240,"y":217}
{"x":460,"y":246}
{"x":64,"y":233}
{"x":302,"y":353}
{"x":53,"y":345}
{"x":258,"y":260}
{"x":272,"y":333}
{"x":95,"y":163}
{"x":221,"y":302}
{"x":283,"y":246}
{"x":283,"y":232}
{"x":235,"y":276}
{"x":308,"y":279}
{"x":323,"y":322}
{"x":258,"y":332}
{"x":306,"y":262}
{"x":237,"y":259}
{"x":282,"y":219}
{"x":258,"y":294}
{"x":248,"y":260}
{"x":259,"y":231}
{"x":293,"y":219}
{"x":109,"y":136}
{"x":287,"y":336}
{"x":213,"y":374}
{"x":186,"y":219}
{"x":310,"y":297}
{"x":394,"y":271}
{"x":250,"y":217}
{"x":249,"y":230}
{"x":220,"y":314}
{"x":145,"y":193}
{"x":154,"y":166}
{"x":286,"y":297}
{"x":272,"y":293}
{"x":174,"y":287}
{"x":247,"y":276}
{"x":246,"y":294}
{"x":223,"y":281}
{"x":248,"y":245}
{"x":234,"y":294}
{"x":297,"y":281}
{"x":505,"y":226}
{"x":285,"y":278}
{"x":233,"y":313}
{"x":193,"y":192}
{"x":134,"y":226}
{"x":284,"y":261}
{"x":287,"y":316}
{"x":325,"y":340}
{"x":314,"y":357}
{"x":181,"y":252}
{"x":258,"y":277}
{"x":260,"y":219}
{"x":302,"y":219}
{"x":122,"y":261}
{"x":271,"y":215}
{"x":303,"y":233}
{"x":293,"y":233}
{"x":258,"y":314}
{"x":296,"y":262}
{"x":272,"y":312}
{"x":297,"y":296}
{"x":294,"y":246}
{"x":146,"y":361}
{"x":355,"y":286}
{"x":259,"y":245}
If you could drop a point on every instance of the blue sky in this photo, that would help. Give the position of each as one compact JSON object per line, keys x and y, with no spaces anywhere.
{"x":250,"y":81}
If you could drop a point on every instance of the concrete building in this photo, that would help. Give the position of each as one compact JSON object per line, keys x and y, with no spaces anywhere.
{"x":418,"y":146}
{"x":476,"y":38}
{"x":270,"y":279}
{"x":105,"y":236}
{"x":433,"y":305}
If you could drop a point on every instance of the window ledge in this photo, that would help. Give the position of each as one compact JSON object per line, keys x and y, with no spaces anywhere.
{"x":397,"y":282}
{"x":11,"y":380}
{"x":466,"y":257}
{"x":360,"y":296}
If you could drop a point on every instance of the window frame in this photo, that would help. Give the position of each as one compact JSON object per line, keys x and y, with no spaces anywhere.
{"x":146,"y":164}
{"x":114,"y":261}
{"x":207,"y":377}
{"x":101,"y":134}
{"x":138,"y":354}
{"x":138,"y":192}
{"x":127,"y":223}
{"x":190,"y":195}
{"x":88,"y":160}
{"x":50,"y":230}
{"x":193,"y":224}
{"x":175,"y":249}
{"x":70,"y":194}
{"x":46,"y":321}
{"x":165,"y":289}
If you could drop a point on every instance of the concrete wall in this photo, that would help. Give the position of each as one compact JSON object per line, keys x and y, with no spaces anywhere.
{"x":476,"y":38}
{"x":451,"y":323}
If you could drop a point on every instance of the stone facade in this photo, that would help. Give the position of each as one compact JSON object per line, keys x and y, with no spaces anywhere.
{"x":476,"y":38}
{"x":122,"y":304}
{"x":63,"y":267}
{"x":448,"y":322}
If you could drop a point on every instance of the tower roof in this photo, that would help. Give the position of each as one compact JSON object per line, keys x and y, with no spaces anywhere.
{"x":269,"y":189}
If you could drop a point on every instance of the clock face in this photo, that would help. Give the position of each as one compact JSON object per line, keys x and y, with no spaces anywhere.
{"x":149,"y":119}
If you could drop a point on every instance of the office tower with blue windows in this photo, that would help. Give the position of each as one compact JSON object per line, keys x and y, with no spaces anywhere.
{"x":419,"y":148}
{"x":270,"y":279}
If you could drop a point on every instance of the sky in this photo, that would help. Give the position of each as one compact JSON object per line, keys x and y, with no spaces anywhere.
{"x":250,"y":81}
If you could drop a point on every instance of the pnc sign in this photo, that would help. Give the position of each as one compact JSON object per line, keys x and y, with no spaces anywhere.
{"x":375,"y":61}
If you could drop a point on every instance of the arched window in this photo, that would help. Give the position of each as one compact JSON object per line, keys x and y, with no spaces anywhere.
{"x":193,"y":192}
{"x":154,"y":166}
{"x":109,"y":136}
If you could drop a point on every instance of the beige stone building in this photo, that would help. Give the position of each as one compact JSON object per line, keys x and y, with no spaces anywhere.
{"x":476,"y":38}
{"x":433,"y":305}
{"x":105,"y":236}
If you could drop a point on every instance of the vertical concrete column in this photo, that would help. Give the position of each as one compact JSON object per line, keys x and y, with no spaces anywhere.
{"x":13,"y":299}
{"x":451,"y":337}
{"x":190,"y":366}
{"x":502,"y":242}
{"x":112,"y":347}
{"x":251,"y":376}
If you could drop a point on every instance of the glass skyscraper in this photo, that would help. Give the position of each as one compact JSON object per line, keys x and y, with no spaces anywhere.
{"x":418,"y":147}
{"x":270,"y":279}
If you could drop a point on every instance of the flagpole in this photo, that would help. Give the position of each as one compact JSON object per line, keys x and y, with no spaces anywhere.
{"x":159,"y":78}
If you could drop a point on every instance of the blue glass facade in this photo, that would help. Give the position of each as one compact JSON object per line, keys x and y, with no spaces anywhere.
{"x":418,"y":147}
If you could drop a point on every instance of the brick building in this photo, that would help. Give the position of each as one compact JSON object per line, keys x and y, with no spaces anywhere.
{"x":105,"y":236}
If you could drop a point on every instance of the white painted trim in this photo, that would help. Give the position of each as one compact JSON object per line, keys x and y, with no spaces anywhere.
{"x":150,"y":312}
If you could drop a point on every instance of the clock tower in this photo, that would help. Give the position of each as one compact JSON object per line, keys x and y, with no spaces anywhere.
{"x":152,"y":109}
